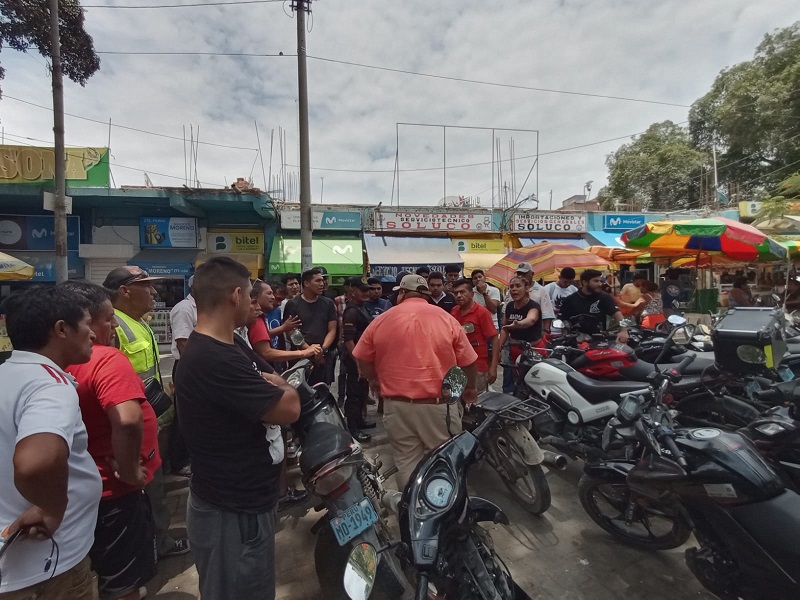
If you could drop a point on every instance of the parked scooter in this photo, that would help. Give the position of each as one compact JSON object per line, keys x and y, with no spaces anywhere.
{"x":745,"y":522}
{"x":442,"y":542}
{"x":350,"y":485}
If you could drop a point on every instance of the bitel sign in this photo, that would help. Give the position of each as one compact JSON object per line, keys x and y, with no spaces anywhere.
{"x":18,"y":232}
{"x":622,"y":222}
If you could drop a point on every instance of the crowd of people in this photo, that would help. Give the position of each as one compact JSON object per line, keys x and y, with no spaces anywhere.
{"x":83,"y":400}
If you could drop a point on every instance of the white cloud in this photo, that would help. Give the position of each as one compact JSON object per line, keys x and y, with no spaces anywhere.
{"x":667,"y":50}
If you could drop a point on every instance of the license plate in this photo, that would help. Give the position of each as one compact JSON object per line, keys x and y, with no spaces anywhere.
{"x":786,"y":373}
{"x":353,"y":521}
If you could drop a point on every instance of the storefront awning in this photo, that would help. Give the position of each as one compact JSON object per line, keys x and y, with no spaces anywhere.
{"x":477,"y":260}
{"x":44,"y":265}
{"x":343,"y":257}
{"x":253,"y":262}
{"x":579,"y":242}
{"x":388,"y":255}
{"x":601,"y":238}
{"x":166,"y":262}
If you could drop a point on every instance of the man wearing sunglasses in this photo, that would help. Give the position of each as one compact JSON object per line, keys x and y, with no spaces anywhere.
{"x":376,"y":305}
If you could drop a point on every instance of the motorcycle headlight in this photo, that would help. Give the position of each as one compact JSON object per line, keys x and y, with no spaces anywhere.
{"x":295,"y":379}
{"x":770,"y":428}
{"x":751,"y":354}
{"x":330,"y":477}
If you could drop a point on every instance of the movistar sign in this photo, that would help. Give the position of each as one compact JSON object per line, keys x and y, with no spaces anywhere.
{"x":622,"y":222}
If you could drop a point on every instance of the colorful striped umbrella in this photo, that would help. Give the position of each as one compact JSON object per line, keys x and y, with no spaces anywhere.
{"x":713,"y":235}
{"x":14,"y":268}
{"x":547,"y":260}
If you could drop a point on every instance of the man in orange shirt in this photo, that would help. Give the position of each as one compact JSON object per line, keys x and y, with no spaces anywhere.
{"x":478,"y":324}
{"x":405,"y":353}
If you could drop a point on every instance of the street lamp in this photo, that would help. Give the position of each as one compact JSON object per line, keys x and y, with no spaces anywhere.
{"x":587,"y":188}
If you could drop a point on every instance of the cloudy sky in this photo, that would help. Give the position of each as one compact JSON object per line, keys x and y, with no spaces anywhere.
{"x":663,"y":51}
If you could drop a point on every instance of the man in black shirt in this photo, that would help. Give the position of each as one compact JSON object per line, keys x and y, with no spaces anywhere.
{"x":589,"y":300}
{"x":440,"y":297}
{"x":355,"y":320}
{"x":318,"y":320}
{"x":225,"y":404}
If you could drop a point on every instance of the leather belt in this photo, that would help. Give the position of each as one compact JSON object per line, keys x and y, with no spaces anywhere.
{"x":414,"y":400}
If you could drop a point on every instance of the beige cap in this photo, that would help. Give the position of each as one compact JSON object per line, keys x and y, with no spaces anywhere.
{"x":413,"y":283}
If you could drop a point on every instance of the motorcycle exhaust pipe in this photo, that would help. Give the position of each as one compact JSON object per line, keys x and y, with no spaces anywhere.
{"x":557,"y":461}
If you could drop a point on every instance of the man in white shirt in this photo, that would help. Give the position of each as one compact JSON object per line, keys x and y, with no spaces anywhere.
{"x":51,"y":486}
{"x":558,"y":290}
{"x":182,"y":320}
{"x":486,"y":295}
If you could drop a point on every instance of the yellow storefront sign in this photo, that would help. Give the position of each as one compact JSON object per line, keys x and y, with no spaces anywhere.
{"x":237,"y":241}
{"x":27,"y":164}
{"x":479,"y":246}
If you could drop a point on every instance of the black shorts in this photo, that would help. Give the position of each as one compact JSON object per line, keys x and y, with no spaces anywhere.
{"x":124,"y":553}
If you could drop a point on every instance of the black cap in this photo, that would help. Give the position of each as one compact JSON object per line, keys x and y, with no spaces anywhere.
{"x":324,"y":271}
{"x":400,"y":276}
{"x":358,"y":283}
{"x":125,"y":276}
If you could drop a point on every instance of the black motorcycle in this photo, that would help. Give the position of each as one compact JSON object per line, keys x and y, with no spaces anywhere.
{"x":442,"y":542}
{"x":747,"y":525}
{"x":349,"y":484}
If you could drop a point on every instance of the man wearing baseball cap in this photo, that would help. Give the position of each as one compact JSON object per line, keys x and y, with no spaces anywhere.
{"x":405,"y":354}
{"x":133,"y":296}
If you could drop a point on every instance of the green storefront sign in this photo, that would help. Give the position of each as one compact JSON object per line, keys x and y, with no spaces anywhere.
{"x":343,"y":257}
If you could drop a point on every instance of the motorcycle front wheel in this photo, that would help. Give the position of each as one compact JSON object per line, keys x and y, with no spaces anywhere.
{"x":652,"y":527}
{"x":527,"y":483}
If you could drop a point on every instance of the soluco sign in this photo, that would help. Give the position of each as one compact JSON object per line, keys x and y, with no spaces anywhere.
{"x":423,"y":221}
{"x":540,"y":222}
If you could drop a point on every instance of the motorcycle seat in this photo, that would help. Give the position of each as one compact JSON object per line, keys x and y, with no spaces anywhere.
{"x":602,"y":391}
{"x":324,"y":443}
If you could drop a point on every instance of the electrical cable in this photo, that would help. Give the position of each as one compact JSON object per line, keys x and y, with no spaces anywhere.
{"x":191,"y":5}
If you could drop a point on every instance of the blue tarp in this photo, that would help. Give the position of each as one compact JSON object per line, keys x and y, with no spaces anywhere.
{"x":579,"y":242}
{"x":602,"y":238}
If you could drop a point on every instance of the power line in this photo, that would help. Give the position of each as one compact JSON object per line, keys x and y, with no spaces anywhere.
{"x":192,"y":5}
{"x":403,"y":72}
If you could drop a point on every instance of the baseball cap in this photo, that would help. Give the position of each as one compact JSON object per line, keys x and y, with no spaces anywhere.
{"x":524,"y":267}
{"x":400,"y":276}
{"x":125,"y":276}
{"x":324,"y":271}
{"x":358,"y":283}
{"x":413,"y":283}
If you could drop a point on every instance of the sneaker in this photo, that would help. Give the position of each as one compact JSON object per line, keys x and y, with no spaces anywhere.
{"x":292,"y":497}
{"x":180,"y":546}
{"x":142,"y":593}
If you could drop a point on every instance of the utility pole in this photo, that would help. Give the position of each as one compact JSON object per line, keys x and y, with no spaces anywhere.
{"x":60,"y":208}
{"x":301,"y":7}
{"x":716,"y":181}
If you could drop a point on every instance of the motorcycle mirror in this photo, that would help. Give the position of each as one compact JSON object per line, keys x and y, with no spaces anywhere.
{"x":296,"y":336}
{"x":360,"y":571}
{"x":453,"y":385}
{"x":558,"y":324}
{"x":676,"y":320}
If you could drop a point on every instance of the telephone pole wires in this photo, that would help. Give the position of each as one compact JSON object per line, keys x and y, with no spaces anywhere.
{"x":301,"y":8}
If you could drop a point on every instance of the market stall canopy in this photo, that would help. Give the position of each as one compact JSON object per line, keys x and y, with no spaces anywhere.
{"x":578,"y":242}
{"x":12,"y":268}
{"x":602,"y":238}
{"x":718,"y":234}
{"x":708,"y":262}
{"x":342,"y":257}
{"x":547,"y":261}
{"x":483,"y":262}
{"x":44,"y":266}
{"x":388,"y":255}
{"x":622,"y":256}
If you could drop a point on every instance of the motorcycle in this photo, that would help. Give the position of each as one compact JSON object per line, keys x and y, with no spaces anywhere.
{"x":442,"y":541}
{"x":745,"y":522}
{"x":349,"y":483}
{"x":513,"y":453}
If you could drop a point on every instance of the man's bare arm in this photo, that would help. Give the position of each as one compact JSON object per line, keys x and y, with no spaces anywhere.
{"x":41,"y":473}
{"x":286,"y":410}
{"x":127,"y":425}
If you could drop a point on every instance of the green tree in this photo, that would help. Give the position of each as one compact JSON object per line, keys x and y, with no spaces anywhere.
{"x":658,"y":170}
{"x":752,"y":114}
{"x":782,"y":200}
{"x":25,"y":25}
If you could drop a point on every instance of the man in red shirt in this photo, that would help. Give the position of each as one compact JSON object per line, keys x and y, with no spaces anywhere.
{"x":123,"y":441}
{"x":478,"y":324}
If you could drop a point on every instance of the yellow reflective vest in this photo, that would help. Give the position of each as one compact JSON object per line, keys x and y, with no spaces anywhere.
{"x":136,"y":341}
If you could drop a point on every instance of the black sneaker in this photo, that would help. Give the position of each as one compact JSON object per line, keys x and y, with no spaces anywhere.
{"x":367,"y":424}
{"x":360,"y":436}
{"x":180,"y":546}
{"x":292,"y":497}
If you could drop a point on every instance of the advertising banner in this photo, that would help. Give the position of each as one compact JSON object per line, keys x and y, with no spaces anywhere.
{"x":331,"y":220}
{"x":622,"y":222}
{"x":239,"y":241}
{"x":479,"y":246}
{"x":86,"y":167}
{"x":432,"y":221}
{"x":168,"y":232}
{"x":749,"y":209}
{"x":20,"y":232}
{"x":548,"y":222}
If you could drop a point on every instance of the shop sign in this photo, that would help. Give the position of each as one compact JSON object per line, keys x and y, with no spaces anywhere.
{"x":749,"y":209}
{"x":622,"y":222}
{"x":19,"y":232}
{"x":545,"y":222}
{"x":168,"y":232}
{"x":393,"y":270}
{"x":479,"y":246}
{"x":171,"y":270}
{"x":324,"y":219}
{"x":432,"y":221}
{"x":86,"y":167}
{"x":240,"y":241}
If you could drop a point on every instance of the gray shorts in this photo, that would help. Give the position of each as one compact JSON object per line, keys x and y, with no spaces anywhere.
{"x":234,"y":552}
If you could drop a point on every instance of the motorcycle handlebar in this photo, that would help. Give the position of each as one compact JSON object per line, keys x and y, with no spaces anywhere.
{"x":685,"y":363}
{"x":770,"y":394}
{"x":669,"y":442}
